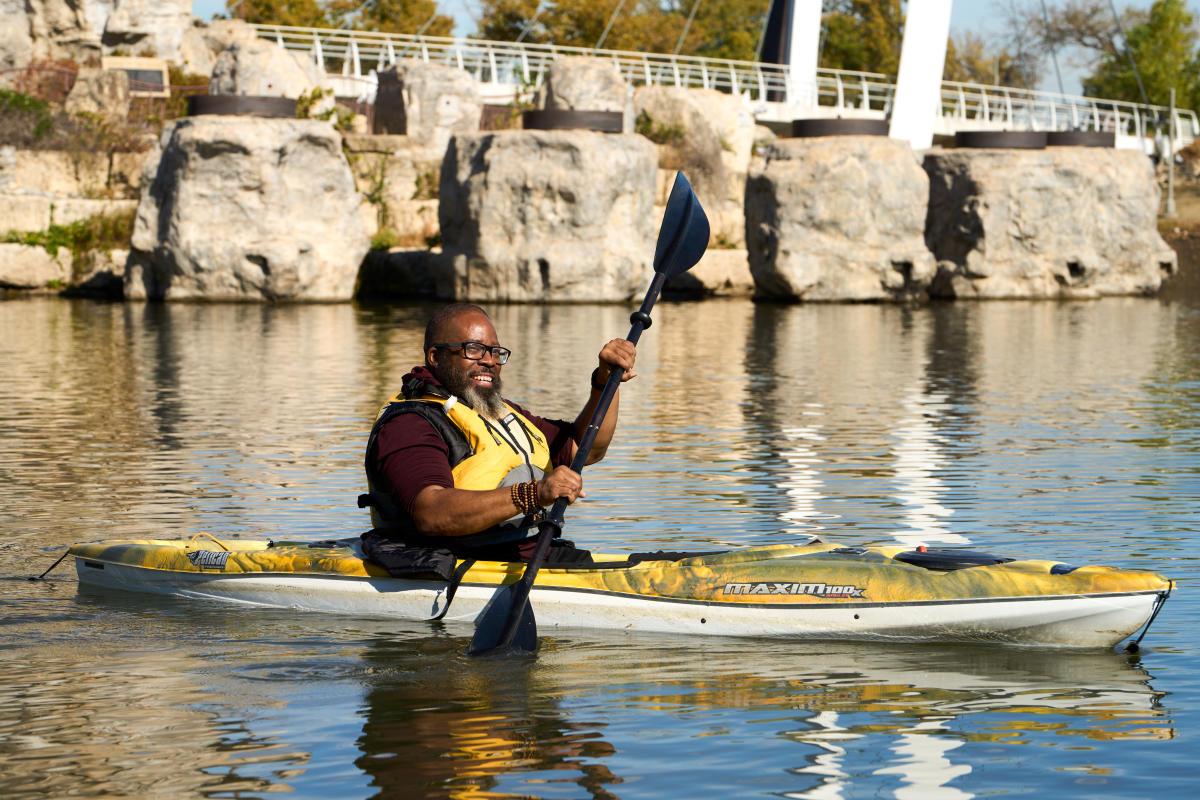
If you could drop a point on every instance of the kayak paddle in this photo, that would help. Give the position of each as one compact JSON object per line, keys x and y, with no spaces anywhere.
{"x":507,"y":623}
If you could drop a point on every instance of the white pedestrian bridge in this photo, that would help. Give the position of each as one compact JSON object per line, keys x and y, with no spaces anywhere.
{"x":505,"y":70}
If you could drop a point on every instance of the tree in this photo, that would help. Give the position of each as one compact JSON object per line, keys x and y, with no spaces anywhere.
{"x":862,"y":35}
{"x":969,"y":59}
{"x":389,"y":16}
{"x":722,"y":28}
{"x":297,"y":13}
{"x":1163,"y":48}
{"x":719,"y":29}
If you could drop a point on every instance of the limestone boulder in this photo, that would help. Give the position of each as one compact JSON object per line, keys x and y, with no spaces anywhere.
{"x":263,"y":69}
{"x":708,"y":135}
{"x":246,"y":208}
{"x":204,"y":42}
{"x":427,"y":102}
{"x":148,"y":27}
{"x":583,"y":84}
{"x":1059,"y":222}
{"x":536,"y":216}
{"x":838,"y":218}
{"x":101,"y":92}
{"x":26,"y":267}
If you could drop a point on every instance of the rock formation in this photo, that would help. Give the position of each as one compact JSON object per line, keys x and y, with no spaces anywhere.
{"x":204,"y":42}
{"x":79,"y":29}
{"x":101,"y":92}
{"x":708,"y":135}
{"x":1059,"y":222}
{"x":247,"y":208}
{"x":151,"y":27}
{"x":838,"y":218}
{"x":260,"y":68}
{"x":586,"y":84}
{"x":428,"y":102}
{"x":45,"y":29}
{"x":547,"y":216}
{"x":26,"y":267}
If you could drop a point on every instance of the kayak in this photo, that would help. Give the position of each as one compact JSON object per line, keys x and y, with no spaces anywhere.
{"x":812,"y":590}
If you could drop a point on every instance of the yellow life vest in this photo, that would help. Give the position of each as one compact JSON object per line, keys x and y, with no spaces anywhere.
{"x":498,"y":449}
{"x":483,"y":455}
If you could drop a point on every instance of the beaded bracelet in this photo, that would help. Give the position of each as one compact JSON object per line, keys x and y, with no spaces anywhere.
{"x":525,"y":497}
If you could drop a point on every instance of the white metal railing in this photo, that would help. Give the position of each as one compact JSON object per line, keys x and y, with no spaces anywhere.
{"x":352,"y":59}
{"x":1003,"y":108}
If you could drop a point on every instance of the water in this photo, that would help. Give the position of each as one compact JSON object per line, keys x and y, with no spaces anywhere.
{"x":1061,"y":430}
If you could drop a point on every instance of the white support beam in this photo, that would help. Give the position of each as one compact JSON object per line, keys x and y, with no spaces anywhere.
{"x":919,"y":84}
{"x":804,"y":42}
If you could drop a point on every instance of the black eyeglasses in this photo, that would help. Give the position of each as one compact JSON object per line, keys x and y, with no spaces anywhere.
{"x":476,"y":350}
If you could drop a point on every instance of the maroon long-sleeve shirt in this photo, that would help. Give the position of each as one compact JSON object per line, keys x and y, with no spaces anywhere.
{"x":410,"y":454}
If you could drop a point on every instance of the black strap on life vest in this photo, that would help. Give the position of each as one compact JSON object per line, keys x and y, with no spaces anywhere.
{"x":435,"y":415}
{"x":397,"y":523}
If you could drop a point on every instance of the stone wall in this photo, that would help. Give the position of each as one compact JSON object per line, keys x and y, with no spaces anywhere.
{"x":42,"y":188}
{"x":398,"y":178}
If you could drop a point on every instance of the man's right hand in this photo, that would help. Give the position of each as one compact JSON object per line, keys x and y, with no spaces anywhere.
{"x":562,"y":482}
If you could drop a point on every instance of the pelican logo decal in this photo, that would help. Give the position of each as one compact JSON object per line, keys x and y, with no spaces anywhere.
{"x":208,"y":559}
{"x":813,"y":589}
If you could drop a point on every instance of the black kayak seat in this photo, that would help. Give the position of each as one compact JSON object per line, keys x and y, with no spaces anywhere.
{"x":949,"y":559}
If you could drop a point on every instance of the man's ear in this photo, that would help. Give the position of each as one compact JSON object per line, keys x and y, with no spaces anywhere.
{"x":431,"y":357}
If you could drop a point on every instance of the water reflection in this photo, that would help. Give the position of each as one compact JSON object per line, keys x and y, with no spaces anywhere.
{"x":458,"y":728}
{"x":866,"y":715}
{"x":1069,"y":430}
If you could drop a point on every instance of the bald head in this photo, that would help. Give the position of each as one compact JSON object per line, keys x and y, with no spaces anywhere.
{"x":444,"y":324}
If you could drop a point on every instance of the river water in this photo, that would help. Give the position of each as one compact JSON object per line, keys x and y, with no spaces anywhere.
{"x":1059,"y":430}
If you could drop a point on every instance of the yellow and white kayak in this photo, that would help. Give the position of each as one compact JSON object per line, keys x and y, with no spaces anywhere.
{"x":814,"y":590}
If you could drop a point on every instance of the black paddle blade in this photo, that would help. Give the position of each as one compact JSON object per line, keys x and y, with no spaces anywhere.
{"x":683,"y":237}
{"x":489,"y":635}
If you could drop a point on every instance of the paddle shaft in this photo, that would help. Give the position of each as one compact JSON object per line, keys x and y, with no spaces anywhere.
{"x":552,"y":525}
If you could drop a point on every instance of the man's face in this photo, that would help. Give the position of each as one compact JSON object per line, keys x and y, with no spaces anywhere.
{"x":476,"y":382}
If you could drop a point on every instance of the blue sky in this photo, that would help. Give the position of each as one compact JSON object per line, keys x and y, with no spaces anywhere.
{"x":978,"y":16}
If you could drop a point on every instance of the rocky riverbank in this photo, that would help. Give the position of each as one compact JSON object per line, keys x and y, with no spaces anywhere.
{"x":436,"y":201}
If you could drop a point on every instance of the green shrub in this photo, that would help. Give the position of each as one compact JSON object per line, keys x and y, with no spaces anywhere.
{"x":386,"y":239}
{"x":97,"y":232}
{"x":659,"y":134}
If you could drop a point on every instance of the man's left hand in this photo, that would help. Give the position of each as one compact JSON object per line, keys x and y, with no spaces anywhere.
{"x":617,"y":353}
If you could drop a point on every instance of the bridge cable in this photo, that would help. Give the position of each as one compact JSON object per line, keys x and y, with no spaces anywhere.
{"x":608,"y":27}
{"x":1053,"y":50}
{"x":1125,"y":46}
{"x":529,"y":25}
{"x":686,"y":26}
{"x":428,"y":22}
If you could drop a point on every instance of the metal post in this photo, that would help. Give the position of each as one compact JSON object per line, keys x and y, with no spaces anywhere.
{"x":1171,"y":158}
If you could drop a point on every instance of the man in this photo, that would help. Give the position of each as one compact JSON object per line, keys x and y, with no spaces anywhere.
{"x":453,"y":465}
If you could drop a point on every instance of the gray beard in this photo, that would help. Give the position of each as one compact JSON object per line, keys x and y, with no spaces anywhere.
{"x":486,"y":402}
